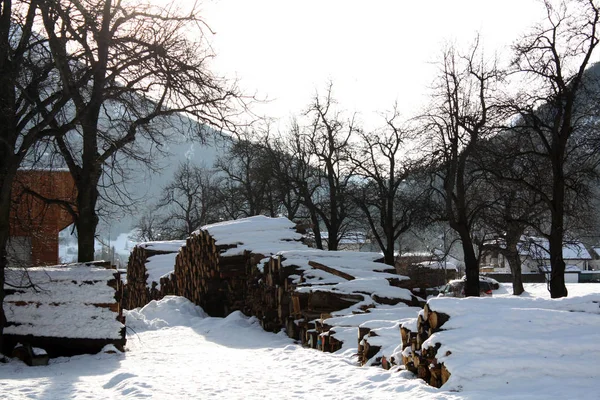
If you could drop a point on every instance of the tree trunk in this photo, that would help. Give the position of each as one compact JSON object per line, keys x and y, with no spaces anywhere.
{"x":9,"y":162}
{"x":557,"y":277}
{"x":557,"y":263}
{"x":471,"y":264}
{"x":388,"y":223}
{"x":513,"y":235}
{"x":514,"y":261}
{"x":87,"y":220}
{"x":8,"y":170}
{"x":332,"y":240}
{"x":4,"y":234}
{"x":389,"y":257}
{"x":316,"y":229}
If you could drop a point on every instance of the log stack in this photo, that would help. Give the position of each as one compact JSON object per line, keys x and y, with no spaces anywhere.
{"x":278,"y":296}
{"x":211,"y":279}
{"x":366,"y":350}
{"x":143,"y":284}
{"x":65,"y":309}
{"x":299,"y":291}
{"x":419,"y":359}
{"x":260,"y":266}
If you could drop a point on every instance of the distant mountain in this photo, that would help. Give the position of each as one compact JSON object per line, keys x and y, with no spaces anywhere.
{"x":138,"y":185}
{"x":145,"y":185}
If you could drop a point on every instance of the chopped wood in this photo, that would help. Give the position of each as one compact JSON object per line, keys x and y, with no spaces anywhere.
{"x":423,"y":361}
{"x":332,"y":271}
{"x":436,"y":319}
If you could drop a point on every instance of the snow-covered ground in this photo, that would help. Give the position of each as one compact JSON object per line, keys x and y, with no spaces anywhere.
{"x":176,"y":352}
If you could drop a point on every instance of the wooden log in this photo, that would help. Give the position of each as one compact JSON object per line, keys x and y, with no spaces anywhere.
{"x":330,"y":270}
{"x":362,"y":332}
{"x":437,"y":319}
{"x":423,"y":372}
{"x":445,"y":374}
{"x":435,"y":378}
{"x":405,"y":337}
{"x":331,"y":301}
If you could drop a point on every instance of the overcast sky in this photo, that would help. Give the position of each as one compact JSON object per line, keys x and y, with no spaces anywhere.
{"x":374,"y":52}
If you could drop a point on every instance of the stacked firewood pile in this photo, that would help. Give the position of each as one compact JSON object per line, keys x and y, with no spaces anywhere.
{"x":65,"y":309}
{"x":273,"y":297}
{"x":302,"y":295}
{"x":211,"y":279}
{"x":141,"y":287}
{"x":210,"y":268}
{"x":366,"y":349}
{"x":419,"y":359}
{"x":260,"y":266}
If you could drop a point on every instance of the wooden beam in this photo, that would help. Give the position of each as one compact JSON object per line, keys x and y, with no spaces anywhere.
{"x":332,"y":271}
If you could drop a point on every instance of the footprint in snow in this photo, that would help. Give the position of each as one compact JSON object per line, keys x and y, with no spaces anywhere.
{"x":115,"y":380}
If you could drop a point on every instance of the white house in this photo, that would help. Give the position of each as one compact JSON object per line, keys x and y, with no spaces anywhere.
{"x":535,"y":257}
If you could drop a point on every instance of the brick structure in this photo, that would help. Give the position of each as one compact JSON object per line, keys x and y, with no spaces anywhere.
{"x":34,"y":224}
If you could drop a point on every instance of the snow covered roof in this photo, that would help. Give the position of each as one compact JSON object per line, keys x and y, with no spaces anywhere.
{"x":537,"y":247}
{"x":258,"y":234}
{"x":438,"y":265}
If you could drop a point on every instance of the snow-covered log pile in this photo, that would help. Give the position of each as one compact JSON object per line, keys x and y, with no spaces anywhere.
{"x":422,"y":360}
{"x":260,"y":266}
{"x":213,"y":268}
{"x":323,"y":297}
{"x":65,"y":309}
{"x":466,"y":343}
{"x":149,"y":272}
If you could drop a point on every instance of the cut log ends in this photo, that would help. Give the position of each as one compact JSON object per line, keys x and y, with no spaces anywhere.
{"x":423,"y":361}
{"x":437,"y":319}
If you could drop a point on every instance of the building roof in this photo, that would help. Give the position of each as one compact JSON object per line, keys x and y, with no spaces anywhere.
{"x":536,"y":247}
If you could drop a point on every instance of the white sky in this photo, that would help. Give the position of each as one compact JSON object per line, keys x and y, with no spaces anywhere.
{"x":375,"y":52}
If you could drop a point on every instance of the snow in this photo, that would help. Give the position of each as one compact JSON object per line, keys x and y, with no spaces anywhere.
{"x":70,"y":321}
{"x":368,"y":274}
{"x":171,"y":246}
{"x":258,"y":235}
{"x":517,"y":344}
{"x":504,"y":347}
{"x":67,"y":272}
{"x":62,"y":302}
{"x":38,"y":352}
{"x":537,"y":247}
{"x":160,"y":265}
{"x":438,"y":265}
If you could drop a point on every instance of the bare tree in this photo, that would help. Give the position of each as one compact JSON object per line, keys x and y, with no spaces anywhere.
{"x":552,"y":59}
{"x":30,"y":100}
{"x":460,"y":117}
{"x":189,"y":201}
{"x":247,"y":170}
{"x":328,"y":140}
{"x":386,"y":197}
{"x":514,"y":207}
{"x":125,"y":66}
{"x":299,"y":172}
{"x":148,"y":228}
